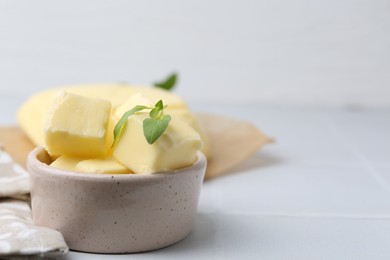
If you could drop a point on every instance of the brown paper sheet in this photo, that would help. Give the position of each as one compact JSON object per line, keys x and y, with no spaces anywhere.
{"x":16,"y":143}
{"x":232,"y":142}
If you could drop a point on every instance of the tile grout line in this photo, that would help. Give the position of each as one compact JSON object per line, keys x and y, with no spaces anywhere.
{"x":364,"y":162}
{"x":307,"y":215}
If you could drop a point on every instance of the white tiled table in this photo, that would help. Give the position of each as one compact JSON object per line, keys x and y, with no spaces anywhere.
{"x":322,"y":191}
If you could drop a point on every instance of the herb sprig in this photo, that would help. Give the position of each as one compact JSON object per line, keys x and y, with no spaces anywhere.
{"x":168,"y":83}
{"x":153,"y":127}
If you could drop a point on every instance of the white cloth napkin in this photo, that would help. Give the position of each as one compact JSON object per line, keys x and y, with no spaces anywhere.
{"x":18,"y":235}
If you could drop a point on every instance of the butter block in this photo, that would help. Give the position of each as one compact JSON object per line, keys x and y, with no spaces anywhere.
{"x":66,"y":162}
{"x":77,"y":126}
{"x":191,"y":119}
{"x":107,"y":165}
{"x":181,"y":112}
{"x":132,"y":101}
{"x":32,"y":114}
{"x":176,"y":148}
{"x":155,"y":94}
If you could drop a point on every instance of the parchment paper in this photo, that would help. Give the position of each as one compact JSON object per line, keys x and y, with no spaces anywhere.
{"x":232,"y":142}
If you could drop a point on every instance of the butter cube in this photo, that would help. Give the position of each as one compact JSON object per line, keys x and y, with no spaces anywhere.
{"x":191,"y":119}
{"x":77,"y":126}
{"x":177,"y":111}
{"x":107,"y":165}
{"x":176,"y":148}
{"x":66,"y":162}
{"x":132,"y":101}
{"x":155,"y":94}
{"x":31,"y":115}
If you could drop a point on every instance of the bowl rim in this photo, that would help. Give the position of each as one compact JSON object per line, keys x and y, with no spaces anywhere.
{"x":37,"y":167}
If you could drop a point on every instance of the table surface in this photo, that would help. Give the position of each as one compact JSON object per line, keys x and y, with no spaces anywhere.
{"x":322,"y":191}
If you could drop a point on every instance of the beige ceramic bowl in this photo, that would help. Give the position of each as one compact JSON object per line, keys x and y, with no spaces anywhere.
{"x":106,"y":213}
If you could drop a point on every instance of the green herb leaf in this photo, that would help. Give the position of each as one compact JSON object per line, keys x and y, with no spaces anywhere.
{"x":122,"y":122}
{"x":154,"y":112}
{"x":168,"y":83}
{"x":158,"y":107}
{"x":155,"y":127}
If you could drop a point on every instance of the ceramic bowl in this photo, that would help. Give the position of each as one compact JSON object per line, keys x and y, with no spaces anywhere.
{"x":115,"y":213}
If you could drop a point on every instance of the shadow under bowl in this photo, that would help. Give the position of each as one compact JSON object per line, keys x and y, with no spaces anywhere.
{"x":115,"y":213}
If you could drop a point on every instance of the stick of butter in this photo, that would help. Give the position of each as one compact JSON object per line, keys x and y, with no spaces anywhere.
{"x":77,"y":126}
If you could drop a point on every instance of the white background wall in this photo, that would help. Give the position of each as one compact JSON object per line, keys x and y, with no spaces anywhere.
{"x":304,"y":52}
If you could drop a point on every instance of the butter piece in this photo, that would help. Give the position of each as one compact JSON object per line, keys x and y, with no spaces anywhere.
{"x":77,"y":126}
{"x":155,"y":94}
{"x":180,"y":112}
{"x":66,"y":162}
{"x":110,"y":133}
{"x":176,"y":148}
{"x":132,"y":101}
{"x":188,"y":117}
{"x":31,"y":115}
{"x":107,"y":165}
